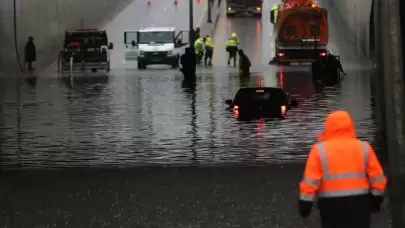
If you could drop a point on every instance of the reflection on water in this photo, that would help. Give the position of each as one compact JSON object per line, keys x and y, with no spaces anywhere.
{"x":147,"y":117}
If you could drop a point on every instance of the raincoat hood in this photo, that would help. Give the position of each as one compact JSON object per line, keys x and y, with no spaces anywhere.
{"x":338,"y":124}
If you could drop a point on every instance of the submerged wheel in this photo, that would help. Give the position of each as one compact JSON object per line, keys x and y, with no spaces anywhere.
{"x":141,"y":65}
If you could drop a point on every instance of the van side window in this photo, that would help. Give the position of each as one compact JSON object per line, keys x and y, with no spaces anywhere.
{"x":315,"y":30}
{"x":291,"y":30}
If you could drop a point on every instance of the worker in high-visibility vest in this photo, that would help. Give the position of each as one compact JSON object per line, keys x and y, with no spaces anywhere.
{"x":344,"y":174}
{"x":232,"y":48}
{"x":199,"y":49}
{"x":209,"y":50}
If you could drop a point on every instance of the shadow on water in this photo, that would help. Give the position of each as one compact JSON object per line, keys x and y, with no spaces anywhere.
{"x":86,"y":86}
{"x":31,"y":81}
{"x":189,"y":88}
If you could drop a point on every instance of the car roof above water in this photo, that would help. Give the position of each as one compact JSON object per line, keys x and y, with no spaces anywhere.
{"x":265,"y":89}
{"x":85,"y":30}
{"x":157,"y":29}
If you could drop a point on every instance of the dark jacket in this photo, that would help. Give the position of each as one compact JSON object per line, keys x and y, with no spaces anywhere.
{"x":244,"y":65}
{"x":188,"y":61}
{"x":30,"y":52}
{"x":195,"y":35}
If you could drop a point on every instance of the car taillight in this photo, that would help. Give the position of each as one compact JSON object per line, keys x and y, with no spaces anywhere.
{"x":281,"y":54}
{"x":322,"y":53}
{"x":258,"y":8}
{"x":283,"y":110}
{"x":235,"y":111}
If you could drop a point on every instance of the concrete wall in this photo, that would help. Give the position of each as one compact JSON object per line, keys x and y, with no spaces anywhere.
{"x":46,"y":20}
{"x":352,"y":16}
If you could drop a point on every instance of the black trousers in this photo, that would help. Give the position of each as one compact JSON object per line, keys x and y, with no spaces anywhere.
{"x":208,"y":56}
{"x":233,"y":51}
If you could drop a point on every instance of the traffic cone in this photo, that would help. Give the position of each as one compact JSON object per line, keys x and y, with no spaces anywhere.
{"x":149,"y":3}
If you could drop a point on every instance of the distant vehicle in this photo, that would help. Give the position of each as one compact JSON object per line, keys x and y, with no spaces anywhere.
{"x":85,"y":49}
{"x":261,"y":102}
{"x":243,"y":7}
{"x":155,"y":45}
{"x":301,"y":31}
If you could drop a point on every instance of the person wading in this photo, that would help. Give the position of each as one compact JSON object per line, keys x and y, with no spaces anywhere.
{"x":30,"y":53}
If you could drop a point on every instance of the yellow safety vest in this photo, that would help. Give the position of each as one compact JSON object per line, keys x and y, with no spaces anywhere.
{"x":198,"y":45}
{"x":208,"y":42}
{"x":232,"y":42}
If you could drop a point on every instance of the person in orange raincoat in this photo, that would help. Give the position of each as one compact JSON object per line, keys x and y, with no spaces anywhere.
{"x":344,"y":174}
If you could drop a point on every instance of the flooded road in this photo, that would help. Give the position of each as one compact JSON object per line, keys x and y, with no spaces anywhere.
{"x":132,"y":117}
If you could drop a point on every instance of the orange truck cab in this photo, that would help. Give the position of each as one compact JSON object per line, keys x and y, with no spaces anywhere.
{"x":301,"y":31}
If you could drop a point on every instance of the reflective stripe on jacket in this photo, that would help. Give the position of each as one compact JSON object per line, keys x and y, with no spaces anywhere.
{"x":232,"y":42}
{"x":275,"y":8}
{"x":340,"y":165}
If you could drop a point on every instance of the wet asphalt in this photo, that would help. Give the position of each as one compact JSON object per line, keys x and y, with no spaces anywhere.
{"x":108,"y":137}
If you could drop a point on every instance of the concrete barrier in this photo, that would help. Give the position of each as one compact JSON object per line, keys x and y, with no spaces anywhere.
{"x":353,"y":18}
{"x":46,"y":21}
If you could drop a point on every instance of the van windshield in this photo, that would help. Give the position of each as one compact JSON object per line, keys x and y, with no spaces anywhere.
{"x":156,"y":37}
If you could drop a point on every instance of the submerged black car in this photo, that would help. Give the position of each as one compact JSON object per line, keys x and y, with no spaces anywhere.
{"x":261,"y":102}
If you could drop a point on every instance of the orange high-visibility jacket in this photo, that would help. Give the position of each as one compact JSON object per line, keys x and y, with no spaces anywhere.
{"x":341,"y":165}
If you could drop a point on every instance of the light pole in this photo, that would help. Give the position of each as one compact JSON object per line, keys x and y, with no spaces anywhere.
{"x":191,"y":21}
{"x":209,"y":20}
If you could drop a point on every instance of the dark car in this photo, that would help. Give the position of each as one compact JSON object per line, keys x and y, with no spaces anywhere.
{"x":261,"y":102}
{"x":85,"y":49}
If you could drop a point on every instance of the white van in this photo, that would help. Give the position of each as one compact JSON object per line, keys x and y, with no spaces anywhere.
{"x":155,"y":45}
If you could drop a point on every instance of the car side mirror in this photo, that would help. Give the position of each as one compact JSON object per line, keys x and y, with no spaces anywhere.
{"x":294,"y":103}
{"x":228,"y":102}
{"x":111,"y":46}
{"x":133,"y":43}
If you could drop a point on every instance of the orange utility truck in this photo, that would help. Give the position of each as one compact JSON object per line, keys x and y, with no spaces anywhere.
{"x":301,"y":31}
